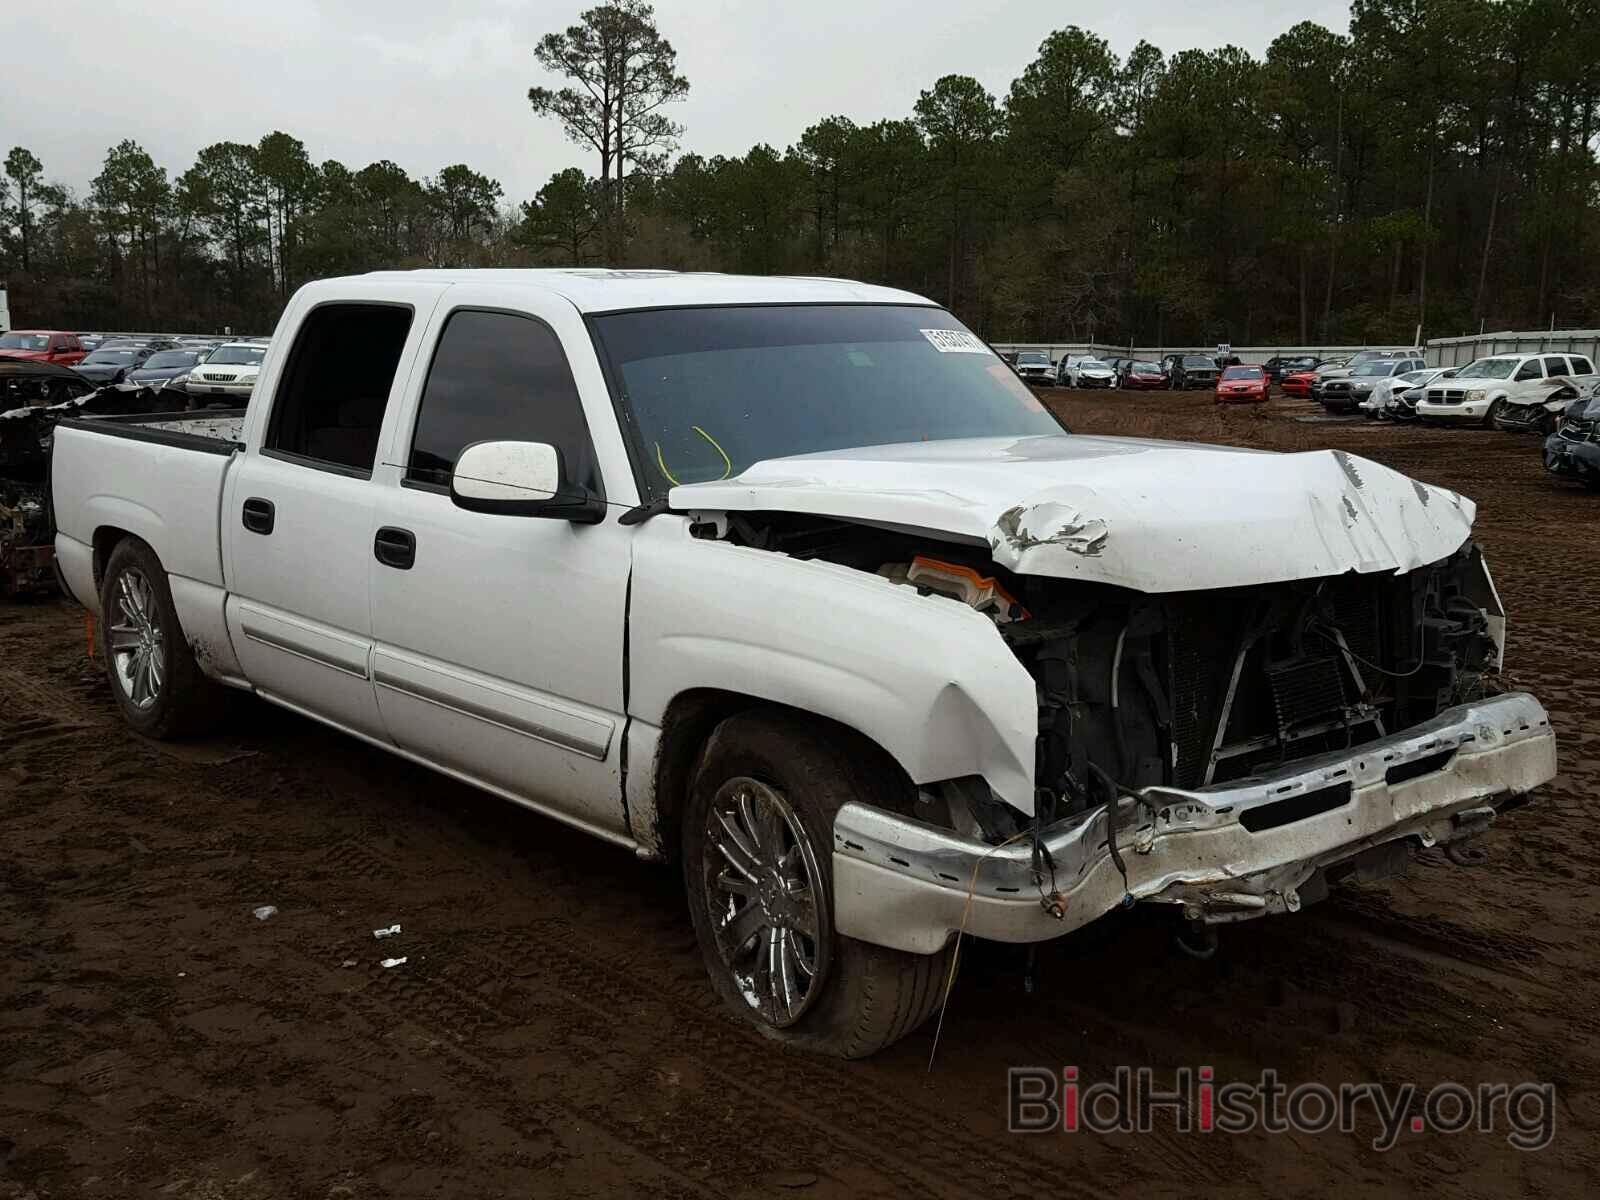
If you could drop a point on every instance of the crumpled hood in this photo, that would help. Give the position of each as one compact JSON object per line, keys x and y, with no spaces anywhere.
{"x":1548,"y":391}
{"x":1149,"y":515}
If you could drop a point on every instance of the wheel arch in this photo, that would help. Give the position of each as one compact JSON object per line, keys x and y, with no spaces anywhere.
{"x":105,"y":540}
{"x":686,"y":728}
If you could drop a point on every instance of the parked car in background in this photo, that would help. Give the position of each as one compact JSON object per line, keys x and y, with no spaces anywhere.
{"x":1326,"y":380}
{"x":1192,"y":371}
{"x":1141,"y":374}
{"x":1483,"y":388}
{"x":42,"y":345}
{"x":228,"y":373}
{"x":138,"y":343}
{"x":1090,"y":373}
{"x":1538,"y":407}
{"x":1035,"y":366}
{"x":90,"y":341}
{"x":1573,"y":450}
{"x":1298,"y":383}
{"x":26,"y":383}
{"x":109,"y":365}
{"x":1346,"y":392}
{"x":1395,"y":398}
{"x":164,"y":368}
{"x":1242,"y":385}
{"x":1277,"y":367}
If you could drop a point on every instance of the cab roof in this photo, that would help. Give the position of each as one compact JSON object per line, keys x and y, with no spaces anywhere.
{"x":601,"y":289}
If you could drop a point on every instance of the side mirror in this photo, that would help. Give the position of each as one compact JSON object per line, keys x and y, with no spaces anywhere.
{"x":521,"y":479}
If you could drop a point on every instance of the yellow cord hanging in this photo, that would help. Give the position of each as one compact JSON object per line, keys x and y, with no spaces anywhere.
{"x":727,"y":463}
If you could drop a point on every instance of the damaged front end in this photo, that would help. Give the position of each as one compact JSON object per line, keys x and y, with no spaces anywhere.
{"x":1229,"y":751}
{"x":1539,"y":408}
{"x":1252,"y":673}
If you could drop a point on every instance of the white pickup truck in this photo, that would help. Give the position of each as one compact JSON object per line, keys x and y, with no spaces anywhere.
{"x":794,"y":582}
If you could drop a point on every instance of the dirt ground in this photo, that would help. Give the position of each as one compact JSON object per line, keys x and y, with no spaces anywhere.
{"x":552,"y":1032}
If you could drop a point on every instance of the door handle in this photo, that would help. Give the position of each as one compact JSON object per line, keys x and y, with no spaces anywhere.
{"x":395,"y":548}
{"x":258,"y":515}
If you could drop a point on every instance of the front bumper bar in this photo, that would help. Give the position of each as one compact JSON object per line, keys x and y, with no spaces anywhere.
{"x":1226,"y":852}
{"x":1466,"y":410}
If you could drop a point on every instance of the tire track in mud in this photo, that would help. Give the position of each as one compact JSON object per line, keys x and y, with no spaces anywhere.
{"x":590,"y":997}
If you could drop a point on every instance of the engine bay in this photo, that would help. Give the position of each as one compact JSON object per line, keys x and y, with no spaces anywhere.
{"x":1189,"y":689}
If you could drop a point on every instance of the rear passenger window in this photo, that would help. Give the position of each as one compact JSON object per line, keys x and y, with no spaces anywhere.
{"x":331,"y":399}
{"x":499,"y":377}
{"x":1555,"y":365}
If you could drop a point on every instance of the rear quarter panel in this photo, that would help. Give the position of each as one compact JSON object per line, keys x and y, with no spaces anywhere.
{"x":165,"y":495}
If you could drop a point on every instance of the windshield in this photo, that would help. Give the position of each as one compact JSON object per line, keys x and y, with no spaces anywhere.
{"x":1370,"y":369}
{"x":1033,"y":356}
{"x":1145,"y":368}
{"x":24,"y":341}
{"x":1242,"y":373}
{"x":1489,"y":368}
{"x":109,"y":358}
{"x":1092,"y":364}
{"x":713,"y":390}
{"x":236,"y":355}
{"x":1196,"y":360}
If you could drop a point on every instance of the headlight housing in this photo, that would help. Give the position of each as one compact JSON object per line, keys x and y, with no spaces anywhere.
{"x":1476,"y":394}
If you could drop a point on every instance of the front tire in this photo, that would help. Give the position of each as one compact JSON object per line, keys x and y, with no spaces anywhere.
{"x":758,"y":869}
{"x":152,"y":671}
{"x":1492,"y":412}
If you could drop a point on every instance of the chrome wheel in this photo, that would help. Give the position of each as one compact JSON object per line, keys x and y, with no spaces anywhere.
{"x":766,"y":901}
{"x":135,"y":642}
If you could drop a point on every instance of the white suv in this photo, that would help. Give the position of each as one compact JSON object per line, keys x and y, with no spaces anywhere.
{"x":229,"y":372}
{"x":1482,"y":389}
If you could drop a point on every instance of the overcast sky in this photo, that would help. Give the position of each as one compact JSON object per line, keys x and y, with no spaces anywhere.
{"x":432,"y":82}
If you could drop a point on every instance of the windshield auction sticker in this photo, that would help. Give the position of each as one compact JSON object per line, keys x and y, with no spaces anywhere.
{"x":955,"y":341}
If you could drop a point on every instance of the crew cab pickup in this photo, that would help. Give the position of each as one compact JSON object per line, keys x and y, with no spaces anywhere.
{"x":793,"y":581}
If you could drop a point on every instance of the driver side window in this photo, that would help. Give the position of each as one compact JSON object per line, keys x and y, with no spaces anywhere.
{"x":498,"y":376}
{"x":1529,"y":370}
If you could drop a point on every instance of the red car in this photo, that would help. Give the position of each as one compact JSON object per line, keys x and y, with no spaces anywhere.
{"x":42,"y":345}
{"x":1141,"y":375}
{"x":1242,"y":385}
{"x":1297,"y":384}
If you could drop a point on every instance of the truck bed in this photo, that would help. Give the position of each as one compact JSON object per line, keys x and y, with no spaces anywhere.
{"x":215,"y":431}
{"x":157,"y":476}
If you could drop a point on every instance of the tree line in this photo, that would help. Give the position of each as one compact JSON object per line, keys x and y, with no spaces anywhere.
{"x":1434,"y":167}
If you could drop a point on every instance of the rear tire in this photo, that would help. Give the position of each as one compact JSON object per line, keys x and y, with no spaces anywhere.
{"x":152,"y":671}
{"x":768,"y":898}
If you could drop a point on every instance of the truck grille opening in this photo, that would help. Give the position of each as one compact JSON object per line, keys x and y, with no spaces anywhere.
{"x":1201,"y":688}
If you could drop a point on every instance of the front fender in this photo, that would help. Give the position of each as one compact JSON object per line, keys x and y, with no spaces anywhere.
{"x":926,"y":678}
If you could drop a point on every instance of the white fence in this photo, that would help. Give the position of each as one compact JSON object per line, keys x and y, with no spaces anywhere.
{"x":1452,"y":352}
